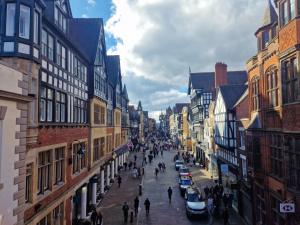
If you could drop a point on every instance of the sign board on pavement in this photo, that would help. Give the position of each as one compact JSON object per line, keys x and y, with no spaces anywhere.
{"x":224,"y":168}
{"x":287,"y":207}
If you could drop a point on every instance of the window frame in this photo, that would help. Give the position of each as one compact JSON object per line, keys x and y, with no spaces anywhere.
{"x":44,"y":172}
{"x":272,"y":86}
{"x":10,"y":22}
{"x":27,"y":27}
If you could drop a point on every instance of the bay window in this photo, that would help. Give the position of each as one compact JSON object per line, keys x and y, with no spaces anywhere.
{"x":46,"y":104}
{"x":255,"y":93}
{"x":10,"y":19}
{"x":290,"y":80}
{"x":272,"y":87}
{"x":24,"y":22}
{"x":60,"y":107}
{"x":58,"y":53}
{"x":36,"y":25}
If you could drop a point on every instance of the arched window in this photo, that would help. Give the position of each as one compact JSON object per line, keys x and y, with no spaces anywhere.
{"x":272,"y":86}
{"x":255,"y":93}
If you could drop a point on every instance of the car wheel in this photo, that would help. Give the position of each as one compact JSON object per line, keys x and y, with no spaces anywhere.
{"x":188,"y":215}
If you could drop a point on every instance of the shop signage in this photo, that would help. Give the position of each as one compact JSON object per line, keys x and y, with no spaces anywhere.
{"x":224,"y":168}
{"x":287,"y":207}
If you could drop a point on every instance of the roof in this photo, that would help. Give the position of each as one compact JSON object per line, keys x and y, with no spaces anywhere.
{"x":179,"y":106}
{"x":113,"y":68}
{"x":206,"y":80}
{"x":241,"y":98}
{"x":231,"y":94}
{"x":255,"y":122}
{"x":83,"y":29}
{"x":270,"y":15}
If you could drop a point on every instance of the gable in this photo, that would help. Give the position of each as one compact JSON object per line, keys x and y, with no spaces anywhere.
{"x":64,"y":6}
{"x":220,"y":104}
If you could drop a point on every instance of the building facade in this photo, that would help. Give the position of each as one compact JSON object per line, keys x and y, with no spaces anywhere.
{"x":273,"y":132}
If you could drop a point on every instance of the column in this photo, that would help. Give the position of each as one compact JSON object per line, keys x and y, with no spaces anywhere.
{"x":102,"y":181}
{"x":94,"y":193}
{"x":83,"y":202}
{"x":113,"y":169}
{"x":116,"y":166}
{"x":108,"y":174}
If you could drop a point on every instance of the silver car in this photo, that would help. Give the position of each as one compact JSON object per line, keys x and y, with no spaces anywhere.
{"x":194,"y":205}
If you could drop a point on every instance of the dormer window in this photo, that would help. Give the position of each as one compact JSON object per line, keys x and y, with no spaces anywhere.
{"x":60,"y":19}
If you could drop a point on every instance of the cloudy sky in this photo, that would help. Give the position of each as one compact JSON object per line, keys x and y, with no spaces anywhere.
{"x":159,"y":39}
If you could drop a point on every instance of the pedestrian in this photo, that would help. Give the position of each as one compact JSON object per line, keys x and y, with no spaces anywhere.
{"x":135,"y":157}
{"x":170,"y":193}
{"x":156,"y":171}
{"x":225,"y":216}
{"x":130,"y":165}
{"x":206,"y":191}
{"x":125,"y":165}
{"x":210,"y":205}
{"x":136,"y":205}
{"x":125,"y":211}
{"x":99,"y":218}
{"x":161,"y":153}
{"x":143,"y":171}
{"x":119,"y":180}
{"x":225,"y":200}
{"x":94,"y":217}
{"x":147,"y":206}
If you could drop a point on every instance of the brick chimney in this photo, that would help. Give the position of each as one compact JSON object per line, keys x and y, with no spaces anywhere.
{"x":220,"y":74}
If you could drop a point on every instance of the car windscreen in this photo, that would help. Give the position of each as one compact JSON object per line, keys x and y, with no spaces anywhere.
{"x":184,"y":170}
{"x":193,"y":197}
{"x":186,"y":182}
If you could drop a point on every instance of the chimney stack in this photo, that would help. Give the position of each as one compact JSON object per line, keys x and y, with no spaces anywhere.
{"x":220,"y":74}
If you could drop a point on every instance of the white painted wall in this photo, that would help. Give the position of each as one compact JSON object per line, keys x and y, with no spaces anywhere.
{"x":7,"y":159}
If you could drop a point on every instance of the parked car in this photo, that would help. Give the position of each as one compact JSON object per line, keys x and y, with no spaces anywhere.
{"x":184,"y":171}
{"x":178,"y":164}
{"x":184,"y":183}
{"x":194,"y":204}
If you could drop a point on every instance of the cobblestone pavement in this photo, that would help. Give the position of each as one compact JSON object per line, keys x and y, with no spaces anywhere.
{"x":161,"y":211}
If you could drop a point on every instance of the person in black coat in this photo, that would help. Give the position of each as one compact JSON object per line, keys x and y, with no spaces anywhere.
{"x":147,"y":206}
{"x":136,"y":205}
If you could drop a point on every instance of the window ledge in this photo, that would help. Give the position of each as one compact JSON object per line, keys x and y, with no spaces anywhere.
{"x":291,"y":103}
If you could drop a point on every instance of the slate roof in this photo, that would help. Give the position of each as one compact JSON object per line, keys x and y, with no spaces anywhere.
{"x":83,"y":29}
{"x":113,"y":68}
{"x":231,"y":94}
{"x":206,"y":80}
{"x":179,"y":106}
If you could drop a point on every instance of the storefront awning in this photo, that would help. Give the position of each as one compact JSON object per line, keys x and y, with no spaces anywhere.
{"x":121,"y":149}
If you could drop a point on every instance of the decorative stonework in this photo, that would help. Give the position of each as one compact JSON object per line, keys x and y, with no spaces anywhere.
{"x":288,"y":37}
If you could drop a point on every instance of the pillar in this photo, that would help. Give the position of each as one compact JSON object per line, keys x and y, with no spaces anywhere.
{"x":83,"y":201}
{"x":102,"y":181}
{"x":108,"y":174}
{"x":94,"y":193}
{"x":113,"y":169}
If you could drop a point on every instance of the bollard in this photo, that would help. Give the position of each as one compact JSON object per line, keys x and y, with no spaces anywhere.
{"x":140,"y":189}
{"x":131,"y":217}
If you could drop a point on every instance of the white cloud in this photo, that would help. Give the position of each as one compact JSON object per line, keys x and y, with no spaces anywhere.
{"x":155,"y":115}
{"x":91,"y":2}
{"x":159,"y":39}
{"x":84,"y":16}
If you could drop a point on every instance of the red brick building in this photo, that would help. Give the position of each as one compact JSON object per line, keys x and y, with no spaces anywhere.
{"x":273,"y":135}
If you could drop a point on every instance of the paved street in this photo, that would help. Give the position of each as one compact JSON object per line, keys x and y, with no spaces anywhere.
{"x":161,"y":212}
